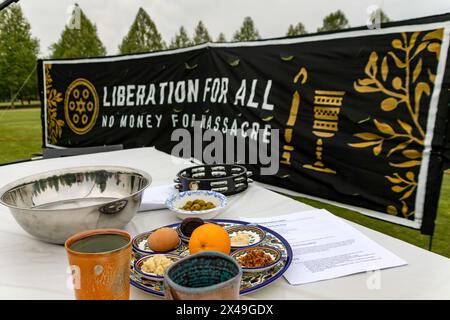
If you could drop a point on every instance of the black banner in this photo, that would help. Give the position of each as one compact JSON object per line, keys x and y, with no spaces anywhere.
{"x":361,"y":114}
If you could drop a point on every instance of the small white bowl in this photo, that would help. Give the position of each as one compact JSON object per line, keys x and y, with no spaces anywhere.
{"x":176,"y":201}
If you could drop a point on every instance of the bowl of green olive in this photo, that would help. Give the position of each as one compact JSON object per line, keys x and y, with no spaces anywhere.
{"x":204,"y":204}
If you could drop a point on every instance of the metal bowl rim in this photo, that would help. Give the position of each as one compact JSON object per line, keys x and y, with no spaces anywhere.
{"x":46,"y":174}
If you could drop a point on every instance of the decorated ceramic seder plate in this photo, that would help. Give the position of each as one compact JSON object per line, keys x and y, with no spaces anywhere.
{"x":250,"y":281}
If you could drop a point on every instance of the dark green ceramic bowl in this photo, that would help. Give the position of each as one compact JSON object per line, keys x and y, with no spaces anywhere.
{"x":206,"y":275}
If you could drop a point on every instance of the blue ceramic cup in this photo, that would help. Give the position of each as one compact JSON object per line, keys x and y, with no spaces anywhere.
{"x":207,"y":275}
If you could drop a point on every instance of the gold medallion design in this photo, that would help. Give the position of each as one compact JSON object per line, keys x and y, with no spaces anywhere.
{"x":81,"y":106}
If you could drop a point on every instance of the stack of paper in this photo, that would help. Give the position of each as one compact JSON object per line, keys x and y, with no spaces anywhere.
{"x":154,"y":198}
{"x":326,"y":247}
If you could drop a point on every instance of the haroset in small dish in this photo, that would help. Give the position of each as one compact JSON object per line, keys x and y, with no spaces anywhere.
{"x":257,"y":259}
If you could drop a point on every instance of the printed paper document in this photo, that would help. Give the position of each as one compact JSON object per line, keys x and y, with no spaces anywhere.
{"x":326,"y":247}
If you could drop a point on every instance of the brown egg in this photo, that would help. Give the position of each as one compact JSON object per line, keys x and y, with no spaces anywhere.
{"x":163,"y":239}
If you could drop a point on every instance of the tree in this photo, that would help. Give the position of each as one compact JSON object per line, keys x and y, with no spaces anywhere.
{"x":379,"y":16}
{"x":78,"y":41}
{"x":18,"y":55}
{"x":383,"y":17}
{"x":247,"y":31}
{"x":221,"y":38}
{"x":296,"y":30}
{"x":143,"y":35}
{"x":201,"y":34}
{"x":181,"y":39}
{"x":334,"y":21}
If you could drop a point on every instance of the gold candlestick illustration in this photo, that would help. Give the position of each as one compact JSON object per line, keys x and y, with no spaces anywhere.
{"x":327,"y":105}
{"x":302,"y":75}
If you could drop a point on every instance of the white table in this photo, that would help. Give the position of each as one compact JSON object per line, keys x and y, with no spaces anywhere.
{"x":31,"y":269}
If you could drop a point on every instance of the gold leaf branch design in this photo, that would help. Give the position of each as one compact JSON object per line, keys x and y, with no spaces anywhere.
{"x":405,"y":187}
{"x":53,"y":98}
{"x":372,"y":139}
{"x":401,"y":92}
{"x":406,"y":89}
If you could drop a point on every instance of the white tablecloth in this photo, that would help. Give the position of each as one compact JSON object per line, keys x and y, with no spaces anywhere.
{"x":31,"y":269}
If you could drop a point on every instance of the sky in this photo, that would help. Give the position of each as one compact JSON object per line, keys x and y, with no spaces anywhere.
{"x":272,"y":17}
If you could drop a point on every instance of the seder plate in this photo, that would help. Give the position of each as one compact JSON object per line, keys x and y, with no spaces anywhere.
{"x":250,"y":281}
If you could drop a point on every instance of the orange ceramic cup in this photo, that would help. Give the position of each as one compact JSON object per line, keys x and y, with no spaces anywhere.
{"x":101,"y":275}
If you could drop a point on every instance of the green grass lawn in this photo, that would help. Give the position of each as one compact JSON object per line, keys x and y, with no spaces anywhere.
{"x":441,"y":238}
{"x":20,"y":134}
{"x":20,"y":137}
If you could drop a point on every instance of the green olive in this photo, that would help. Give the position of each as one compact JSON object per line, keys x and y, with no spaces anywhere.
{"x":198,"y":205}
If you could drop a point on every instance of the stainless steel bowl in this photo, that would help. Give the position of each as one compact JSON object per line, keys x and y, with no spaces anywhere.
{"x":54,"y":205}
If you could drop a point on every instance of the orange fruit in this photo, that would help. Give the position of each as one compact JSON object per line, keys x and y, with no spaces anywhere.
{"x":210,"y":237}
